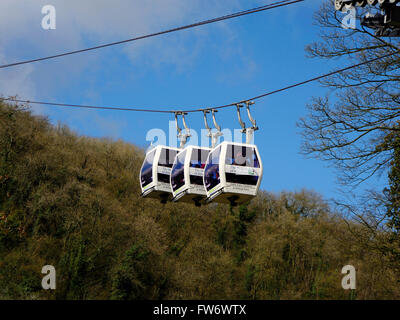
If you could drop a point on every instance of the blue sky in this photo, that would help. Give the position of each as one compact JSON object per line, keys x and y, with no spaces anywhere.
{"x":211,"y":65}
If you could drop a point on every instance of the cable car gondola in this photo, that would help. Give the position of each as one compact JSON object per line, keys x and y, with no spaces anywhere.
{"x":187,"y":175}
{"x":188,"y":169}
{"x":156,"y":172}
{"x":233,"y":171}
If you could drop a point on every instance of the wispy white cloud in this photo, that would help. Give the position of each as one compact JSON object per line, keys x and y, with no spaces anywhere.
{"x":91,"y":22}
{"x":16,"y":83}
{"x":97,"y":20}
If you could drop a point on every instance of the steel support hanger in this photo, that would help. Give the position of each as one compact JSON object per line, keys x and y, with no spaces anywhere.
{"x":212,"y":135}
{"x":249,"y":131}
{"x":183,"y":136}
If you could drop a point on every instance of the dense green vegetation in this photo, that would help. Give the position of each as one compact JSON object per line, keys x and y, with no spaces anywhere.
{"x":74,"y":202}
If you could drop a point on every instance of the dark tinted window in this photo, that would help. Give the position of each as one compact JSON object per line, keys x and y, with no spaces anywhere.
{"x":241,"y":156}
{"x":211,"y":171}
{"x":242,"y":179}
{"x":178,"y":172}
{"x":167,"y":157}
{"x":198,"y":161}
{"x":146,"y":175}
{"x":199,"y":158}
{"x":163,"y":177}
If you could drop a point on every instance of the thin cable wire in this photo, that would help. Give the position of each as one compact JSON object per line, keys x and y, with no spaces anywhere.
{"x":205,"y":109}
{"x":85,"y":106}
{"x":201,"y":23}
{"x":300,"y":83}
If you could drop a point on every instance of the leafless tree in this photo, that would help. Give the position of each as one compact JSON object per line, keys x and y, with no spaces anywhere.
{"x":350,"y":124}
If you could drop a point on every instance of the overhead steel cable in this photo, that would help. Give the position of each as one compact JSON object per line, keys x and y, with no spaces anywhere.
{"x":197,"y":24}
{"x":298,"y":84}
{"x":210,"y":108}
{"x":85,"y":106}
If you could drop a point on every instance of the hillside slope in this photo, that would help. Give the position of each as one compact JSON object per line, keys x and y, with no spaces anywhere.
{"x":74,"y":202}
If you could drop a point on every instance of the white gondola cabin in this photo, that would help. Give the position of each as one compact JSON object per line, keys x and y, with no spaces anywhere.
{"x":233,"y":173}
{"x":187,"y":175}
{"x":155,"y":173}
